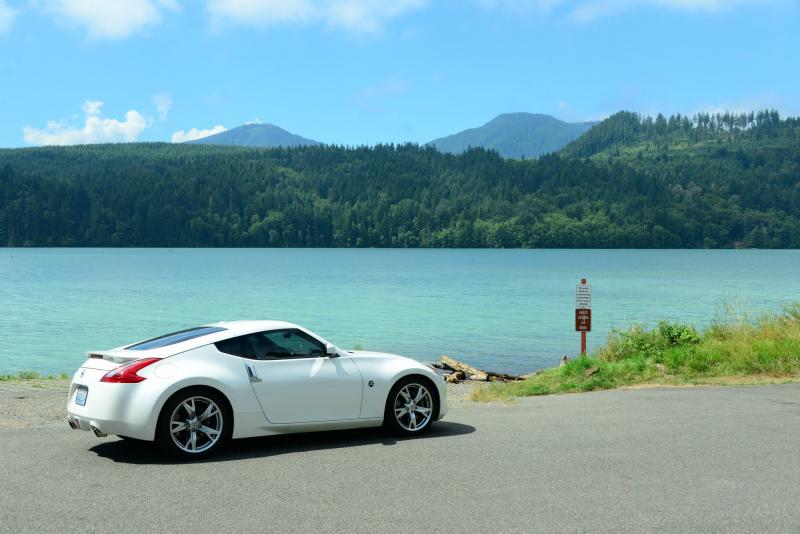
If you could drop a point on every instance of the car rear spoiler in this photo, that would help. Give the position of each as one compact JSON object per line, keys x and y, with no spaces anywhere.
{"x":112,"y":356}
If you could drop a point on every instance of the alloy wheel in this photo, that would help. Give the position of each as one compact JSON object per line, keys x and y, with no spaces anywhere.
{"x":196,"y":424}
{"x":413,"y":407}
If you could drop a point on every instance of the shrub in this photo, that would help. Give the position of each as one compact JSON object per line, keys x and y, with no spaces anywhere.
{"x":674,"y":334}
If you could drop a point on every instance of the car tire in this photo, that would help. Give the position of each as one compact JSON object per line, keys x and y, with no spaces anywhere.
{"x":194,"y":424}
{"x":412,"y":406}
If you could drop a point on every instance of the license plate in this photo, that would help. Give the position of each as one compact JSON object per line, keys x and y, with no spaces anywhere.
{"x":80,"y":396}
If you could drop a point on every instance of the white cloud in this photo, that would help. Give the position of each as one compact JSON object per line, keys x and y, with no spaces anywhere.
{"x":194,"y":133}
{"x":705,"y":5}
{"x":7,"y":16}
{"x":260,"y":12}
{"x":520,"y":5}
{"x":95,"y":129}
{"x":367,"y":16}
{"x":163,"y":104}
{"x":92,"y":107}
{"x":110,"y":19}
{"x":358,"y":16}
{"x":589,"y":10}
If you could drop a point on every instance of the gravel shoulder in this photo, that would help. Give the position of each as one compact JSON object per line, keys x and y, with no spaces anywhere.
{"x":33,"y":403}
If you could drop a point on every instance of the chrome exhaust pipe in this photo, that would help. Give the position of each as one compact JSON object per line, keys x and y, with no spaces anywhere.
{"x":72,"y":424}
{"x":98,"y":433}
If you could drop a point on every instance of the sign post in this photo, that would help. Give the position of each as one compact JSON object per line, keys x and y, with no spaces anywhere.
{"x":583,"y":311}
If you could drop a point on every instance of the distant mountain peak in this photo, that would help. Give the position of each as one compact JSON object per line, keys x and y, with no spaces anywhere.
{"x":256,"y":134}
{"x":516,"y":135}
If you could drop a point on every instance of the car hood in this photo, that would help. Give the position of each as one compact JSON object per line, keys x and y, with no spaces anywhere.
{"x":372,"y":354}
{"x":361,"y":354}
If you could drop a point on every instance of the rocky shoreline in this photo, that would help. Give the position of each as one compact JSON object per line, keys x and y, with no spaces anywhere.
{"x":456,"y":372}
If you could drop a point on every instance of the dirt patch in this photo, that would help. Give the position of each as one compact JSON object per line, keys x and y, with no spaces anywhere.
{"x":33,"y":403}
{"x":458,"y":395}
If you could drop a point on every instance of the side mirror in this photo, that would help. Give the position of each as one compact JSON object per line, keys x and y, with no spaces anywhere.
{"x":330,"y":350}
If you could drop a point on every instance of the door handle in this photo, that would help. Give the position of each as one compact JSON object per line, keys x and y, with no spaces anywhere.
{"x":251,"y":373}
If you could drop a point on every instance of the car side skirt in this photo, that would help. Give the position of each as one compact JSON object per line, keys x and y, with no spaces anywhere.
{"x":294,"y":428}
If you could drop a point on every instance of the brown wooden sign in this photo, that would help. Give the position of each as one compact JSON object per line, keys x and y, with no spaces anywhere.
{"x":583,"y":320}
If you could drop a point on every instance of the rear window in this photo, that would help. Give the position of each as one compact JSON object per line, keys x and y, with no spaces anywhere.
{"x":176,"y":337}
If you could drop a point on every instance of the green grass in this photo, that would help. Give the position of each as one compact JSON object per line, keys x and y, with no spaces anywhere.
{"x":734,"y":351}
{"x":32,"y":375}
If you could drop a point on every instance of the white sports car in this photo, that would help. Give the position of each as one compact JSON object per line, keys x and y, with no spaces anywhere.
{"x":192,"y":390}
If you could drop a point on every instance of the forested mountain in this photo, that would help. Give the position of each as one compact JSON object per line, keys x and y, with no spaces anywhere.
{"x":515,"y":135}
{"x":255,"y":135}
{"x":630,"y":182}
{"x":629,"y":135}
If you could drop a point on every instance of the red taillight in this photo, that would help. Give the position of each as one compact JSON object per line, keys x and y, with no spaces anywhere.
{"x":126,"y":374}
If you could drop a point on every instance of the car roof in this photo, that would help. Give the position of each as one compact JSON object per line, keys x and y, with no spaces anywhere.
{"x":229,"y":329}
{"x":238,"y":328}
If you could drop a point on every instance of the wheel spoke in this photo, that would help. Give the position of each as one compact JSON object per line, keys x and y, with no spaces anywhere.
{"x":400,"y":412}
{"x":412,"y":420}
{"x":424,"y":411}
{"x":421,"y":391}
{"x":189,"y":407}
{"x":193,"y":440}
{"x":210,"y":432}
{"x":209,"y":412}
{"x":406,"y":394}
{"x":178,"y":426}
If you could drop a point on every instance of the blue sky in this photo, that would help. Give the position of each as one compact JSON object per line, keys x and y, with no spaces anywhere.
{"x":367,"y":71}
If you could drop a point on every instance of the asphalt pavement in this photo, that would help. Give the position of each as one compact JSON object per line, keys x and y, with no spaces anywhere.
{"x":671,"y":460}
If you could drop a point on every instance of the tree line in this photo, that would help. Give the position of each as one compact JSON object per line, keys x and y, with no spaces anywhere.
{"x":718,"y":191}
{"x":628,"y":128}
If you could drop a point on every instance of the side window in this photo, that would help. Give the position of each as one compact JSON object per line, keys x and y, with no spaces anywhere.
{"x":272,"y":345}
{"x":238,"y":346}
{"x":281,"y":344}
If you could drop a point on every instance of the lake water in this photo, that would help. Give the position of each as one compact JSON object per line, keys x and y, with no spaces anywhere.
{"x":506,"y":310}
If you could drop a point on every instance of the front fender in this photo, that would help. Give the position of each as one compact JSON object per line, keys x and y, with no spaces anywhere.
{"x":384,"y":371}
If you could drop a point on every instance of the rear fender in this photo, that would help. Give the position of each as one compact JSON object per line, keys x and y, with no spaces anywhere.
{"x":207,"y":367}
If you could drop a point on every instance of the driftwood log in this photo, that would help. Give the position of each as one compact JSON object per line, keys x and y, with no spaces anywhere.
{"x":473,"y":373}
{"x":454,"y":377}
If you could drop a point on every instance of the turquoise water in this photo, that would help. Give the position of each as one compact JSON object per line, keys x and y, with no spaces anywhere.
{"x":506,"y":310}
